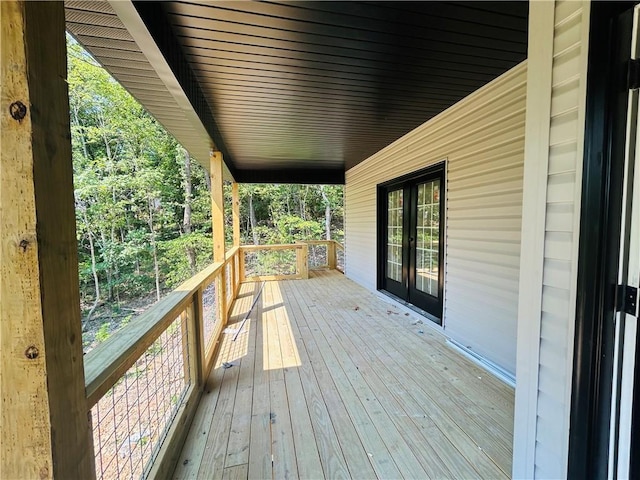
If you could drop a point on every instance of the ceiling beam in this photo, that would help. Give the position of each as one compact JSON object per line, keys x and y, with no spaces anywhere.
{"x":313,"y":176}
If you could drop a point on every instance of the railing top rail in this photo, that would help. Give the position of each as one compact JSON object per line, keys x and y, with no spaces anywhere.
{"x":106,"y":363}
{"x":286,"y":246}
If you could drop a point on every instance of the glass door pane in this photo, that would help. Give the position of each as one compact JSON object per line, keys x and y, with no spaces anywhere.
{"x":394,"y":235}
{"x":428,"y":237}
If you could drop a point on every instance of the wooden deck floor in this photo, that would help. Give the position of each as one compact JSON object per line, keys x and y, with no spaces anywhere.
{"x":329,"y":381}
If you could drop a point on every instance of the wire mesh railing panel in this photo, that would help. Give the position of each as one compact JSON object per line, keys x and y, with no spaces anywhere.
{"x":210,"y":311}
{"x":131,"y":420}
{"x":318,"y":256}
{"x":270,"y":262}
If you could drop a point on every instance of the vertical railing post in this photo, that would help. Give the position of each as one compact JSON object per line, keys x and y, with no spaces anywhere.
{"x":45,"y":428}
{"x":217,"y":220}
{"x":190,"y":343}
{"x":232,"y":276}
{"x":302,"y":260}
{"x":241,"y":264}
{"x":331,"y":254}
{"x":199,"y":342}
{"x":217,"y":206}
{"x":236,"y":273}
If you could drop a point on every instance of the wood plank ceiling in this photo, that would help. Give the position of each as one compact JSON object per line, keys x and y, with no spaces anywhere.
{"x":302,"y":91}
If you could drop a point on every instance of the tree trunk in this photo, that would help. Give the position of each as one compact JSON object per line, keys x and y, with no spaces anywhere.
{"x":107,"y":261}
{"x":186,"y":219}
{"x":156,"y":267}
{"x":207,"y":180}
{"x":327,"y":214}
{"x":252,"y":220}
{"x":76,"y":119}
{"x":154,"y":249}
{"x":94,"y":268}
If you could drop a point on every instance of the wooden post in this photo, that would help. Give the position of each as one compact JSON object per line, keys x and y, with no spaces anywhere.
{"x":302,"y":261}
{"x":331,"y":254}
{"x":217,"y":219}
{"x":45,"y":427}
{"x":192,"y":363}
{"x":235,"y":195}
{"x":201,"y":341}
{"x":241,"y":266}
{"x":217,"y":206}
{"x":232,"y":275}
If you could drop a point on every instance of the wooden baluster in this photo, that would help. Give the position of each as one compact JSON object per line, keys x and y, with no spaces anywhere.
{"x":198,"y":336}
{"x":241,"y":263}
{"x":331,"y":254}
{"x":302,"y":261}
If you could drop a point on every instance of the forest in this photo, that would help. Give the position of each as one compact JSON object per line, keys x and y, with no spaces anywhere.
{"x":143,"y":208}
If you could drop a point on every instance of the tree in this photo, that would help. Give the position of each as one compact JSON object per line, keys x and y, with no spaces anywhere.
{"x":143,"y":205}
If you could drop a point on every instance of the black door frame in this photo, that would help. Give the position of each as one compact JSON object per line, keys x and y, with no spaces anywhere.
{"x":437,"y":170}
{"x":598,"y":256}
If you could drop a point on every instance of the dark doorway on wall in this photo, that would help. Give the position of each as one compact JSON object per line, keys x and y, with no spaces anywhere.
{"x":411,"y":239}
{"x":595,"y":404}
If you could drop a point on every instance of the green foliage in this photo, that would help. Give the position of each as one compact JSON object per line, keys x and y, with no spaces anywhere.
{"x":143,"y":207}
{"x":175,"y":261}
{"x":129,"y":177}
{"x":288,"y":213}
{"x":103,"y":332}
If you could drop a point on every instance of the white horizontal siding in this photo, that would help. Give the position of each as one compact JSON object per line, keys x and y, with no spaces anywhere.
{"x":566,"y":135}
{"x":482,"y":138}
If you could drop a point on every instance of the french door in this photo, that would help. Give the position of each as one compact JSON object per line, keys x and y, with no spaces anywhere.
{"x":411,"y":239}
{"x":604,"y":433}
{"x":623,"y":446}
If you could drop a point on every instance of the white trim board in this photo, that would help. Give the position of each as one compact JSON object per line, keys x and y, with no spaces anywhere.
{"x":537,"y":126}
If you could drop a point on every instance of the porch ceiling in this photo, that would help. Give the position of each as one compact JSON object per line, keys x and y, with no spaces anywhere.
{"x":299,"y":92}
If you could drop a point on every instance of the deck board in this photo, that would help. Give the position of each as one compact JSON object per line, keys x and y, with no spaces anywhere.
{"x":328,"y":380}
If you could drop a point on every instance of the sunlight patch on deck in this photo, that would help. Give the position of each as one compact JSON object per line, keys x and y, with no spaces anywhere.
{"x":279,"y":348}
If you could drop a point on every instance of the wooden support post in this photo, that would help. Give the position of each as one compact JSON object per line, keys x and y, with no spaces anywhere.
{"x":45,"y":427}
{"x":242,"y":267}
{"x":302,"y":261}
{"x":232,"y":275}
{"x":331,"y":254}
{"x":217,"y":219}
{"x":201,"y":341}
{"x":235,"y":196}
{"x":217,"y":206}
{"x":191,"y":342}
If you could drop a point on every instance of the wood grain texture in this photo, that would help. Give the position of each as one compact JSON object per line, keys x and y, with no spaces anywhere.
{"x":24,"y":389}
{"x":217,"y":206}
{"x":44,"y":413}
{"x":302,"y":262}
{"x":340,"y":384}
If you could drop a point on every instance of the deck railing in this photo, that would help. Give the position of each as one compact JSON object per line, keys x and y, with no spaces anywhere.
{"x":143,"y":383}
